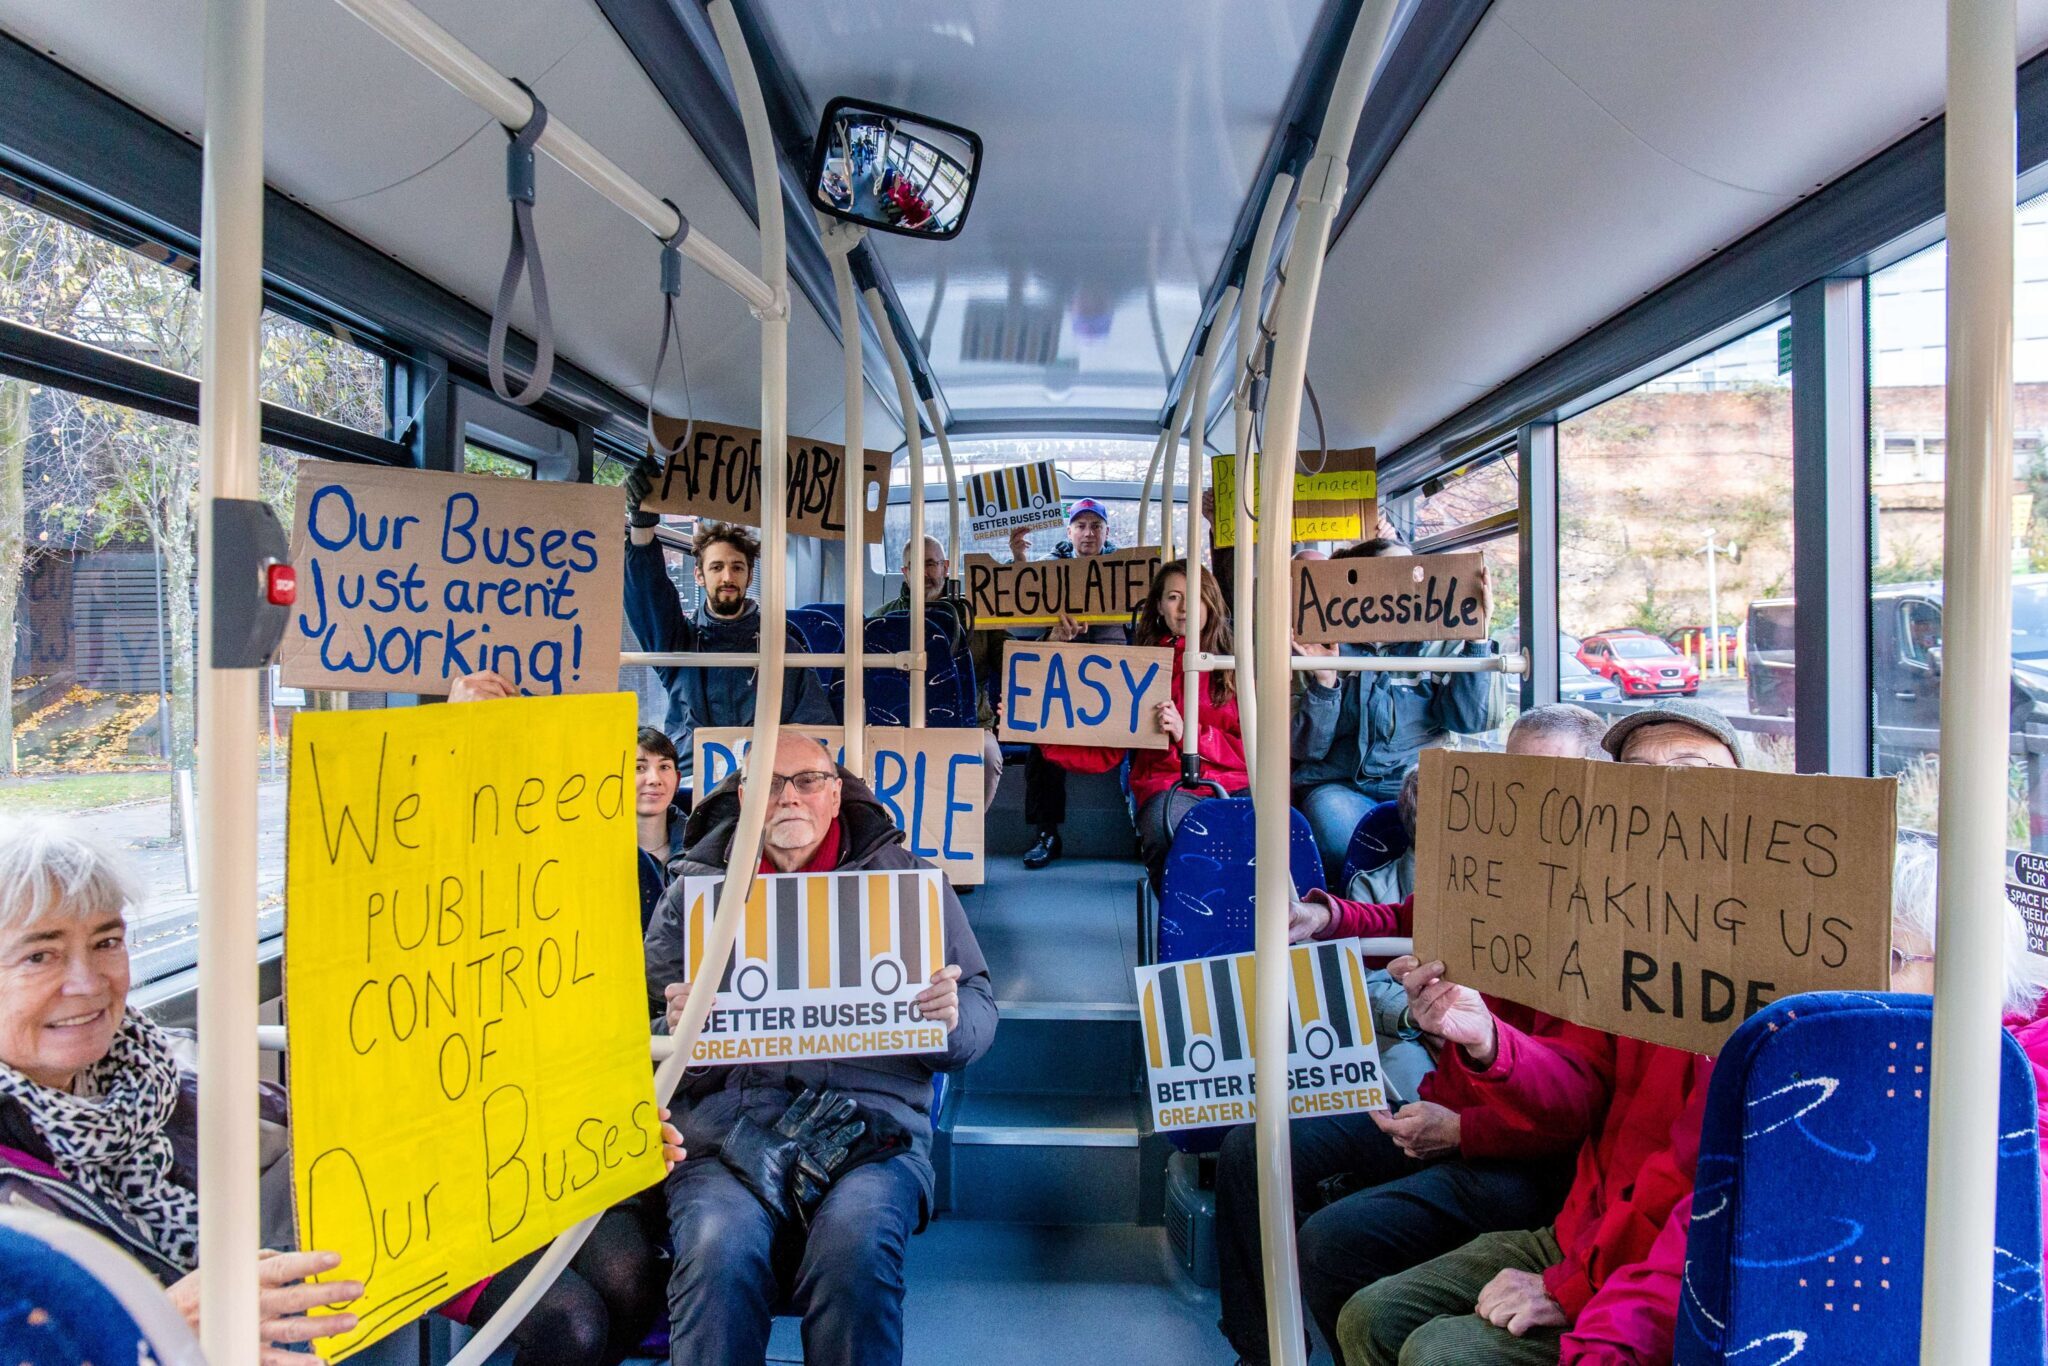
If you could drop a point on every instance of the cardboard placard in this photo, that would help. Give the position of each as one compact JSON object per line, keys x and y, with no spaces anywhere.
{"x":464,"y":987}
{"x":827,"y":965}
{"x":1088,"y":588}
{"x":1081,"y":694}
{"x":1016,"y":498}
{"x":1337,"y":502}
{"x":42,"y":617}
{"x":719,"y":473}
{"x":2028,"y":893}
{"x":1198,"y":1019}
{"x":409,"y":580}
{"x":1389,"y":598}
{"x":930,"y":780}
{"x":1667,"y":904}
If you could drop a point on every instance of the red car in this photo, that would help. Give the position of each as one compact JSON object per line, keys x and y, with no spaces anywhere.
{"x":1640,"y":664}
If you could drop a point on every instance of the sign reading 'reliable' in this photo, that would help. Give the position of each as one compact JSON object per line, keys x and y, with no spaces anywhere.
{"x":1198,"y":1018}
{"x":1082,"y":694}
{"x":1667,"y":904}
{"x":929,"y":781}
{"x":827,"y":965}
{"x":1389,"y":598}
{"x":463,"y":983}
{"x":718,"y":475}
{"x":1087,"y":588}
{"x":410,"y":580}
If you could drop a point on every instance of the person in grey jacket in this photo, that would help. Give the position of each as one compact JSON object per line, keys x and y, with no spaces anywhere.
{"x":838,"y":1259}
{"x":726,"y":622}
{"x":1356,"y":734}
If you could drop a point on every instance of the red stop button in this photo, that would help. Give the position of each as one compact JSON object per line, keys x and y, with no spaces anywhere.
{"x":280,"y":584}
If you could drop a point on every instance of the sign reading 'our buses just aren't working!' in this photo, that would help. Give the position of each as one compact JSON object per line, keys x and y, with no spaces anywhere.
{"x":827,"y":965}
{"x":1200,"y":1036}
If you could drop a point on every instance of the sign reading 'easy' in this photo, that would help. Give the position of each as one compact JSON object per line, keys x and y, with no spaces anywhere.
{"x":1081,"y":694}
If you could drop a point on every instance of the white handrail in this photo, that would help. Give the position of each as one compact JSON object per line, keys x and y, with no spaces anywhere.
{"x":1322,"y":191}
{"x":931,"y":411}
{"x":913,"y":440}
{"x":747,"y":659}
{"x":482,"y":84}
{"x":841,"y":237}
{"x":1192,"y":670}
{"x":230,"y":431}
{"x":1962,"y":1147}
{"x":274,"y":1039}
{"x":1151,"y":478}
{"x":1250,"y":319}
{"x":1516,"y":663}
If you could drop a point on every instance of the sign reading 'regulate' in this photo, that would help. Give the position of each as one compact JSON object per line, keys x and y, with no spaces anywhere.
{"x":1667,"y":904}
{"x":1088,"y":588}
{"x":1389,"y":598}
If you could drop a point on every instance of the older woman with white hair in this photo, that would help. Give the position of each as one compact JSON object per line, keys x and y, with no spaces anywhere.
{"x":97,"y":1121}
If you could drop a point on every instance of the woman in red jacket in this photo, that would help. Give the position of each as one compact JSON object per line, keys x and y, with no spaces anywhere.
{"x":1163,"y":621}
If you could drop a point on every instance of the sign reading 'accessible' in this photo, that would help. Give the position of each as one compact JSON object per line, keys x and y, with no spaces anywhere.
{"x":1088,"y":588}
{"x":1389,"y":598}
{"x":1667,"y":904}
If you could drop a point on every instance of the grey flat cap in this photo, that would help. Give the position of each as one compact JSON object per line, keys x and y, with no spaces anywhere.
{"x":1682,"y":710}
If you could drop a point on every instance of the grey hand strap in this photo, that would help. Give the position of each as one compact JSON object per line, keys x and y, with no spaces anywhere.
{"x":671,"y":289}
{"x":525,"y":248}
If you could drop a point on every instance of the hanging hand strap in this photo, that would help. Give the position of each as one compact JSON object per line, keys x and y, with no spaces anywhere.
{"x":671,"y":289}
{"x":525,"y":247}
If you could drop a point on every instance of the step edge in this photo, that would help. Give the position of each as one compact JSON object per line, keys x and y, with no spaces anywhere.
{"x":1050,"y":1136}
{"x":1067,"y":1010}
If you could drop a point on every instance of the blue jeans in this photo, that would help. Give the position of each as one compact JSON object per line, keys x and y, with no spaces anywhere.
{"x":1333,"y":811}
{"x":844,"y":1274}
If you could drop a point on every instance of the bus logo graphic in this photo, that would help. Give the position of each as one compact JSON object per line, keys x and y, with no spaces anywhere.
{"x":1020,"y":497}
{"x":868,"y":934}
{"x":1201,"y":1033}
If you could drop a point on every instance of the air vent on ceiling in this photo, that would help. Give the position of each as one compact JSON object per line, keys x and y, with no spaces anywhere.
{"x":1007,"y":332}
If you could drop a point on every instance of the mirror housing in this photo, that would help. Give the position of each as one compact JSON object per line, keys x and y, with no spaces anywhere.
{"x":892,"y":170}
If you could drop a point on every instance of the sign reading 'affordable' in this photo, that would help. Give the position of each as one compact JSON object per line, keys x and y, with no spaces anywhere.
{"x":718,"y":475}
{"x":1087,"y":588}
{"x":1666,"y":904}
{"x":1082,"y":694}
{"x":463,"y":984}
{"x":827,"y":965}
{"x":1199,"y":1022}
{"x":1389,"y":598}
{"x":410,"y":580}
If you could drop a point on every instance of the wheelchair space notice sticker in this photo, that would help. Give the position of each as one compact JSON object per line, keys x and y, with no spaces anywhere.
{"x":827,"y":965}
{"x":1197,"y":1018}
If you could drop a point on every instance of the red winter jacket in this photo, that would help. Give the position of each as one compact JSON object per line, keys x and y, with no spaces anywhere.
{"x":1153,"y":771}
{"x":1635,"y":1166}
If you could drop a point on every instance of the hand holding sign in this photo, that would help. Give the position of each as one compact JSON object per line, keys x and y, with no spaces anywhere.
{"x":481,"y":687}
{"x":941,"y":1000}
{"x":1452,"y":1013}
{"x":285,"y":1299}
{"x":1422,"y":1129}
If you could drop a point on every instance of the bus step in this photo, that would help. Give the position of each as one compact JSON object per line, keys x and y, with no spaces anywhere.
{"x":1057,"y":1053}
{"x":1040,"y":1158}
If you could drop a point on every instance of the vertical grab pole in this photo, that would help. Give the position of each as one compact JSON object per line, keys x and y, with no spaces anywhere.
{"x":1322,"y":190}
{"x":1251,"y":317}
{"x":931,"y":412}
{"x":230,"y":431}
{"x":913,"y":440}
{"x":841,"y":238}
{"x":1166,"y":434}
{"x":1962,"y":1148}
{"x":746,"y":842}
{"x":1173,"y":431}
{"x":1192,"y":675}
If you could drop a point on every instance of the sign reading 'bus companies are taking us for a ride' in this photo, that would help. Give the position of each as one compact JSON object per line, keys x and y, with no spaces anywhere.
{"x":1666,"y":904}
{"x":410,"y":580}
{"x":464,"y":987}
{"x":827,"y":965}
{"x":1088,"y":588}
{"x":929,"y":781}
{"x":1336,"y":496}
{"x":718,"y":475}
{"x":1017,"y":498}
{"x":1082,"y":694}
{"x":1198,"y":1019}
{"x":1389,"y":598}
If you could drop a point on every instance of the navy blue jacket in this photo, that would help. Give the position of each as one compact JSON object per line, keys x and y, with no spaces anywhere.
{"x":708,"y":697}
{"x":1368,"y":729}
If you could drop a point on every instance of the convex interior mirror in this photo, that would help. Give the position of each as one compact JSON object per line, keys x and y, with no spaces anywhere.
{"x":893,"y":170}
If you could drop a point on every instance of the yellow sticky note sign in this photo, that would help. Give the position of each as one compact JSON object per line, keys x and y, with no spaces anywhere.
{"x":463,"y":990}
{"x":1331,"y":504}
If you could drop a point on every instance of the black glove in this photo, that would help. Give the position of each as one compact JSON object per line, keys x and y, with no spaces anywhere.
{"x":824,"y":1127}
{"x":762,"y":1161}
{"x":639,"y":483}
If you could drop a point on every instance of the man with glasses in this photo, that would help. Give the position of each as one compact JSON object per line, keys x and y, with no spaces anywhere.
{"x":805,"y":1179}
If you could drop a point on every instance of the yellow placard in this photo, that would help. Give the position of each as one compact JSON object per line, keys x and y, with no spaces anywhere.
{"x":463,"y":990}
{"x":1333,"y":504}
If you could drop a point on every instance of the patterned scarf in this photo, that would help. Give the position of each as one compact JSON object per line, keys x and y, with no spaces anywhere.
{"x":110,"y":1139}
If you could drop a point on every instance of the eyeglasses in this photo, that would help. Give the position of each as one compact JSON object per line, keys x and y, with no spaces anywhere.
{"x":809,"y":783}
{"x":1900,"y":958}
